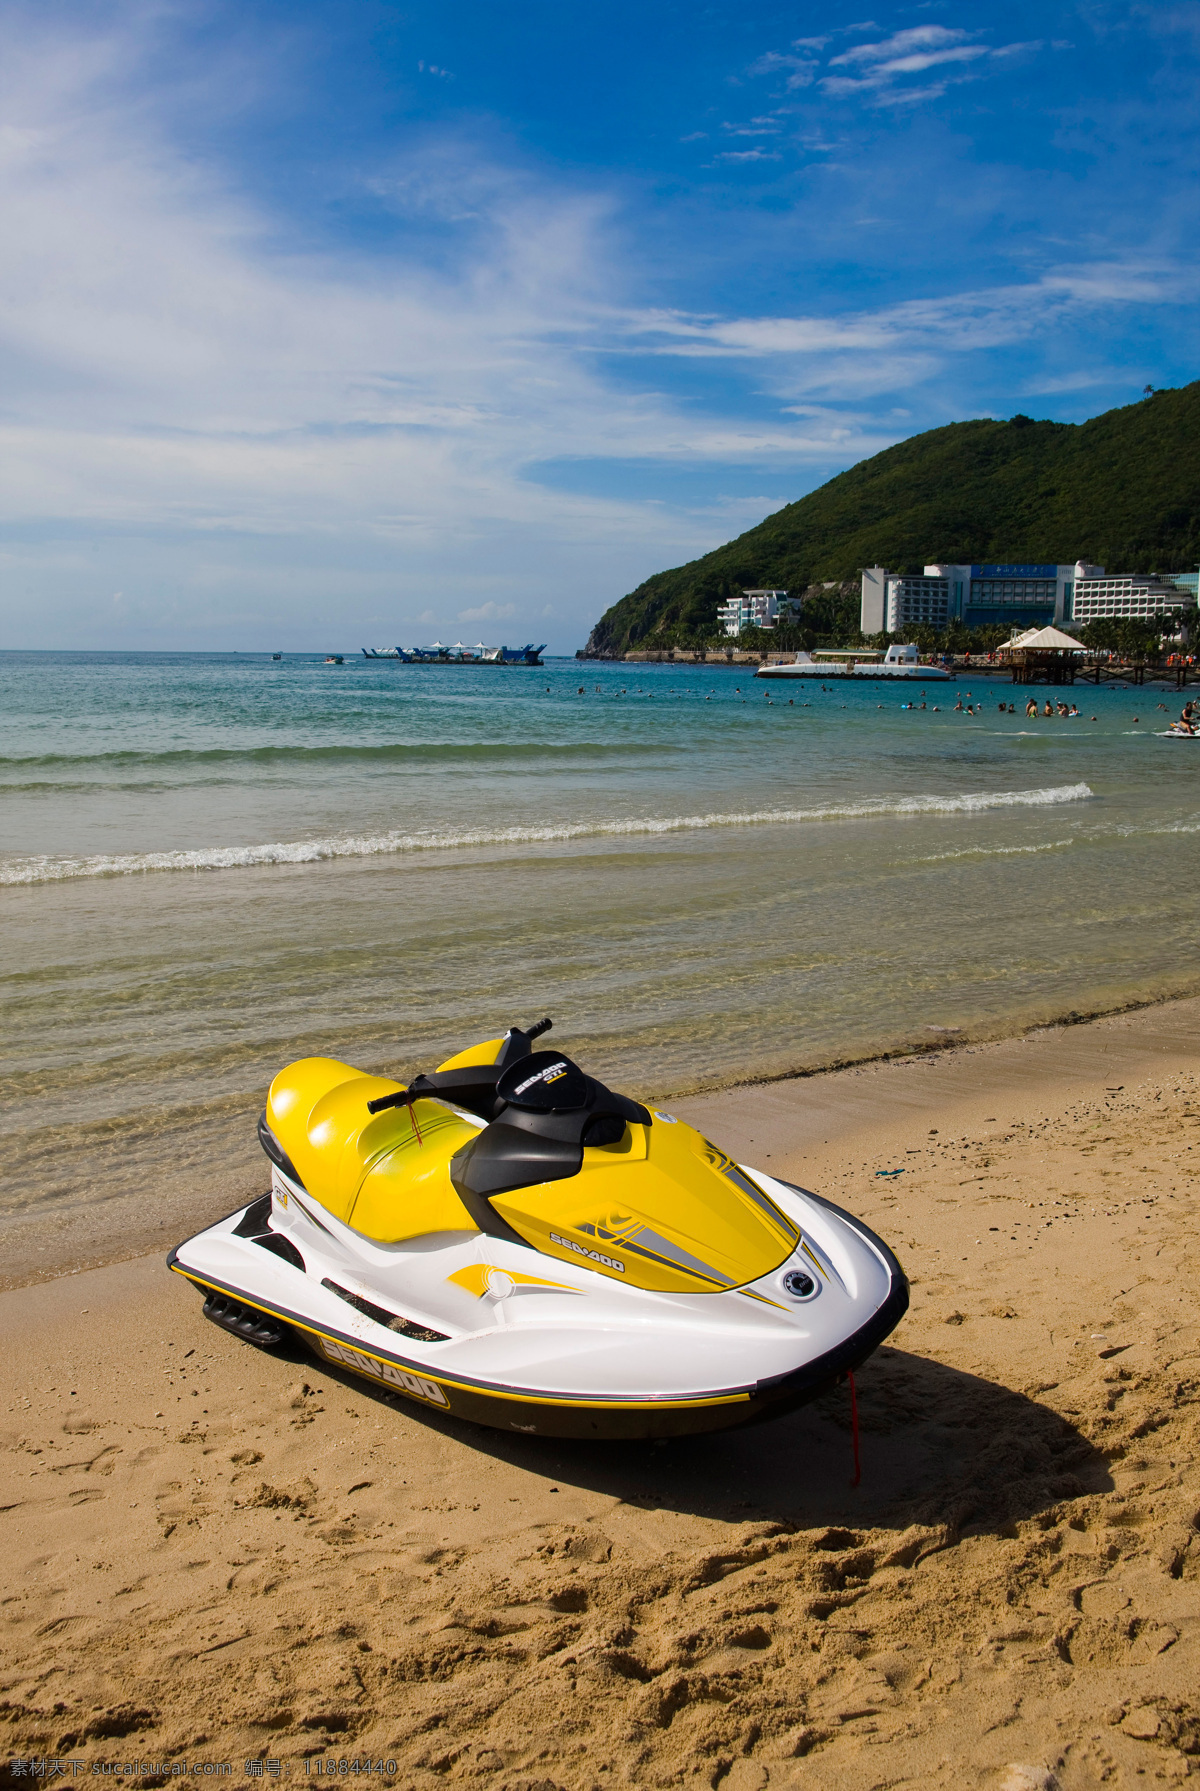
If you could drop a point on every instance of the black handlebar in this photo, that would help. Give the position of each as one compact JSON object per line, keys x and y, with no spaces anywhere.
{"x":399,"y":1099}
{"x":473,"y":1086}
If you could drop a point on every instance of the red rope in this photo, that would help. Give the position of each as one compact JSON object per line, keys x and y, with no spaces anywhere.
{"x":854,"y":1430}
{"x":412,"y":1120}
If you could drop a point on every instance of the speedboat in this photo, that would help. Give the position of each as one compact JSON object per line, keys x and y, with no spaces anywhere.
{"x":507,"y":1240}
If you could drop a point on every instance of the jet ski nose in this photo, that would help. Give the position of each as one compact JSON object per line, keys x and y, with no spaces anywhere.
{"x":544,"y":1082}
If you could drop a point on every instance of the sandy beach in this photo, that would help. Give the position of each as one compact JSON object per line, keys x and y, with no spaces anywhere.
{"x":219,"y":1556}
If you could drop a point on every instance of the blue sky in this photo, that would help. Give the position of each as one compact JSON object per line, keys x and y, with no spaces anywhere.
{"x":326,"y":325}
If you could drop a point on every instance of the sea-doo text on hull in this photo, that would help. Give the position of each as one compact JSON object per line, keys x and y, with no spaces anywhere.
{"x":509,"y":1241}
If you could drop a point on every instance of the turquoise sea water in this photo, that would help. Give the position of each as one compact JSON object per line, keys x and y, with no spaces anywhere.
{"x":210,"y":864}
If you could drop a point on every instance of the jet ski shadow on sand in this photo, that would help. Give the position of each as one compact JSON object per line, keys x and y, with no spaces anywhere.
{"x":509,"y":1242}
{"x":940,"y":1447}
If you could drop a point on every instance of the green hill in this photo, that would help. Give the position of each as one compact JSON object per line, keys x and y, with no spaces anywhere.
{"x":1122,"y":490}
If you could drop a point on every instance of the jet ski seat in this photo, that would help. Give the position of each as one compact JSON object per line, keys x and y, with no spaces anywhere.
{"x":371,"y":1172}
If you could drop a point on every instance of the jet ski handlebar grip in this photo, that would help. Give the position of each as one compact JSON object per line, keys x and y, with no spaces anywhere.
{"x":399,"y":1099}
{"x":535,"y":1032}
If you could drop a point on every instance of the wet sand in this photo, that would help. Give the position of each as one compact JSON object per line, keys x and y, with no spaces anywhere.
{"x":217,"y":1555}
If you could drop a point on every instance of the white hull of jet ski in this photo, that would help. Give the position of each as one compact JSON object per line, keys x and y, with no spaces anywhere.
{"x":479,"y":1327}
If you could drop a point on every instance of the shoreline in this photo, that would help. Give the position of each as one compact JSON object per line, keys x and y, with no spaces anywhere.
{"x":962,"y":1038}
{"x":48,"y":1244}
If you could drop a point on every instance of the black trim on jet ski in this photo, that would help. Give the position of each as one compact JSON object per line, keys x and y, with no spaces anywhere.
{"x":255,"y":1224}
{"x":479,"y":1206}
{"x":275,"y":1150}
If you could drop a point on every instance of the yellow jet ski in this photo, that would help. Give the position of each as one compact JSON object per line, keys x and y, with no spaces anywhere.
{"x":509,"y":1241}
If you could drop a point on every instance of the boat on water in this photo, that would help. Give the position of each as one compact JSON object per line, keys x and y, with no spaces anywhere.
{"x":277,"y":656}
{"x":459,"y":654}
{"x":335,"y":659}
{"x":526,"y":655}
{"x":899,"y":662}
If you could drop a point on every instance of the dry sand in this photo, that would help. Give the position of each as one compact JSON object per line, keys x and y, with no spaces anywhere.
{"x":214,"y":1555}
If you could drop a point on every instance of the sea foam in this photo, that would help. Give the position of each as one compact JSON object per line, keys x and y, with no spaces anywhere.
{"x":49,"y":869}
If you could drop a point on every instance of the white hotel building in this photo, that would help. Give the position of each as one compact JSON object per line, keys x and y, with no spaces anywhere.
{"x":1130,"y":594}
{"x":756,"y":609}
{"x":1018,"y":596}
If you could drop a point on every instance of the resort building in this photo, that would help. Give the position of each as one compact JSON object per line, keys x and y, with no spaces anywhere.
{"x":1131,"y":595}
{"x":1017,"y":595}
{"x":757,"y":609}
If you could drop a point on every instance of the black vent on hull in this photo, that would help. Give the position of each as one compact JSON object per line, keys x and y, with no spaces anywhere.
{"x":406,"y":1327}
{"x":255,"y":1224}
{"x":245,"y":1322}
{"x":255,"y":1219}
{"x":281,"y":1247}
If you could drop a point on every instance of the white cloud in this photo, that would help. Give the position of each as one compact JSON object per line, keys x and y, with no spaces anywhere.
{"x":929,"y":41}
{"x":755,"y":127}
{"x":877,"y":71}
{"x":490,"y":612}
{"x":877,"y":351}
{"x":747,"y":155}
{"x":798,"y":71}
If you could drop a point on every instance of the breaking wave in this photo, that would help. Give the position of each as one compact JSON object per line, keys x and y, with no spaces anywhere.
{"x":49,"y":869}
{"x":994,"y":851}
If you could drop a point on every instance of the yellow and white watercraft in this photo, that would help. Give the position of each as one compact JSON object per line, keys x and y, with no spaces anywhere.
{"x":509,"y":1241}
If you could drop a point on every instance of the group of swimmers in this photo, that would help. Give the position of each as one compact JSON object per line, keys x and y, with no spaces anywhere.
{"x":1031,"y":710}
{"x":973,"y":708}
{"x":1060,"y":708}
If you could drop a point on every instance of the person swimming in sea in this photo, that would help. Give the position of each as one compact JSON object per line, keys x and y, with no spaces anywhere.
{"x":1031,"y":707}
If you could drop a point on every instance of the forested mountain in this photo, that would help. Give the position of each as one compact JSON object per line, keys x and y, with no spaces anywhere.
{"x":1122,"y":490}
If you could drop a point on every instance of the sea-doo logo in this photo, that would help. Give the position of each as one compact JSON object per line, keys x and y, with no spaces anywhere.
{"x":416,"y":1384}
{"x":593,"y":1255}
{"x":617,"y":1227}
{"x":551,"y":1073}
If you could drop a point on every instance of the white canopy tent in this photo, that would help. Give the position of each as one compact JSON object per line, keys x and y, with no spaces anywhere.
{"x":1045,"y":640}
